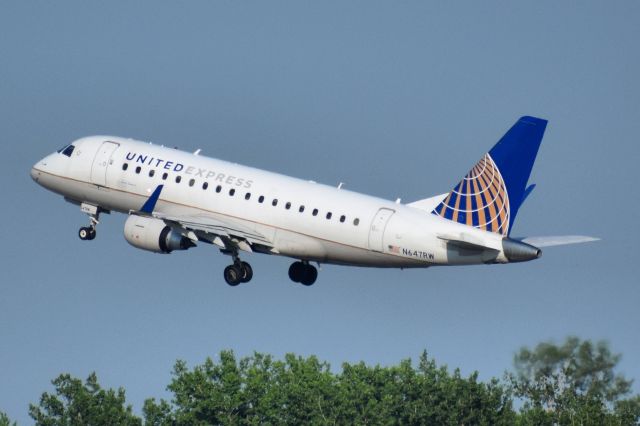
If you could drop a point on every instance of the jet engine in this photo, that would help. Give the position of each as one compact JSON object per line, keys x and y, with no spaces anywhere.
{"x":517,"y":251}
{"x":148,"y":233}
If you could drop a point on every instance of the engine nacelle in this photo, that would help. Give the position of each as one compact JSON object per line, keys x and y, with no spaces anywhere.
{"x":148,"y":233}
{"x":517,"y":251}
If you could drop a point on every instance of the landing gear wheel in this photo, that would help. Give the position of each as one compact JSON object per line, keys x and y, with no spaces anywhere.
{"x":303,"y":273}
{"x":295,"y":271}
{"x":85,"y":233}
{"x":89,"y":232}
{"x":310,"y":275}
{"x":233,"y":275}
{"x":247,"y":272}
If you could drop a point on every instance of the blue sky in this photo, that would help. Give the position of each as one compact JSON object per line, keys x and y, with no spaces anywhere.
{"x":396,"y":99}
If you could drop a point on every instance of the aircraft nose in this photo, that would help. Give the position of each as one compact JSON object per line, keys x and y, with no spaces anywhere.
{"x":35,"y":173}
{"x":36,"y":170}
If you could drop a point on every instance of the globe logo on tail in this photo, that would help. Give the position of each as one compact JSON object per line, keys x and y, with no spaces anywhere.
{"x":479,"y":200}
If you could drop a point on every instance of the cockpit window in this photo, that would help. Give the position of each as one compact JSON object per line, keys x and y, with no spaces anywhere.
{"x":67,"y":150}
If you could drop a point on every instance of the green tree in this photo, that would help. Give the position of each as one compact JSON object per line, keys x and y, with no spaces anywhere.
{"x":569,"y":384}
{"x":5,"y":421}
{"x":297,"y":390}
{"x":77,"y":403}
{"x":157,"y":414}
{"x":627,"y":412}
{"x":429,"y":394}
{"x":255,"y":390}
{"x":572,"y":383}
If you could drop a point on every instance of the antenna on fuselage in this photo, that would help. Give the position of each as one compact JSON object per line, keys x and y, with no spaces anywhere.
{"x":340,"y":185}
{"x":197,"y":151}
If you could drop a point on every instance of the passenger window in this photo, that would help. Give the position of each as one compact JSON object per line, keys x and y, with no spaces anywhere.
{"x":218,"y":188}
{"x":301,"y":209}
{"x":315,"y":212}
{"x":274,"y":202}
{"x":125,"y":166}
{"x":138,"y":169}
{"x":342,"y":219}
{"x":261,"y":199}
{"x":152,"y":172}
{"x":165,"y":176}
{"x":329,"y":215}
{"x":205,"y":185}
{"x":247,"y":195}
{"x":356,"y":221}
{"x":232,"y":191}
{"x":287,"y":206}
{"x":178,"y":179}
{"x":191,"y":182}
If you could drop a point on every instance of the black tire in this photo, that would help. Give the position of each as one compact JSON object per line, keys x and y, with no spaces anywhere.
{"x":232,"y":275}
{"x":295,"y":271}
{"x":309,"y":275}
{"x":84,"y":233}
{"x":92,"y":234}
{"x":247,"y":272}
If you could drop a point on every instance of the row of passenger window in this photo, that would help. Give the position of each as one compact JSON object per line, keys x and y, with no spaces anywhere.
{"x":247,"y":195}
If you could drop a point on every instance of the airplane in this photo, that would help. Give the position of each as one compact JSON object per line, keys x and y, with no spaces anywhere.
{"x":176,"y":199}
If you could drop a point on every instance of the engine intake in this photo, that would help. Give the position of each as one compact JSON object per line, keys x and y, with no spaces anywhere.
{"x":148,"y":233}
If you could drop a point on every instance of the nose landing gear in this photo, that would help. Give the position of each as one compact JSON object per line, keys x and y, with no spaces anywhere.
{"x":88,"y":233}
{"x":303,"y":273}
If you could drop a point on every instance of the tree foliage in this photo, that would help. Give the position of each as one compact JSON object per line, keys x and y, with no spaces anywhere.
{"x":260,"y":390}
{"x":569,"y":384}
{"x":77,"y":403}
{"x":572,"y":383}
{"x":4,"y":420}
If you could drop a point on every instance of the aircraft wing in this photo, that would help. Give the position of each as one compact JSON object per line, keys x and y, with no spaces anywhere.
{"x":225,"y":233}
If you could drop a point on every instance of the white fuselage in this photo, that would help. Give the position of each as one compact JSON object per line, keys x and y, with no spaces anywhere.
{"x":302,"y":219}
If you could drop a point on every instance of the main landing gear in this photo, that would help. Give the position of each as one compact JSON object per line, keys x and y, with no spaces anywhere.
{"x":87,"y":233}
{"x":239,"y":272}
{"x":303,"y":273}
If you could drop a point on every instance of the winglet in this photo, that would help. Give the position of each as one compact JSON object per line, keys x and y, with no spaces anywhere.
{"x":150,"y":204}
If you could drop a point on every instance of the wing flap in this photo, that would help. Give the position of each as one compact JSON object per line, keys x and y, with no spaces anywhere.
{"x":208,"y":228}
{"x":226,"y":234}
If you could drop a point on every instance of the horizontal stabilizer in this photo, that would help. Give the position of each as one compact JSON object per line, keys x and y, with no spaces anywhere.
{"x":558,"y":240}
{"x":466,"y":241}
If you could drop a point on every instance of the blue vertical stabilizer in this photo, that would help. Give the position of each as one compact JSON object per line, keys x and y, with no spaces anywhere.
{"x":491,"y":193}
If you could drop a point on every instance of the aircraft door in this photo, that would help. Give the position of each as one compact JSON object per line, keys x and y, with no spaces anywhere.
{"x":101,"y":162}
{"x":376,"y":231}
